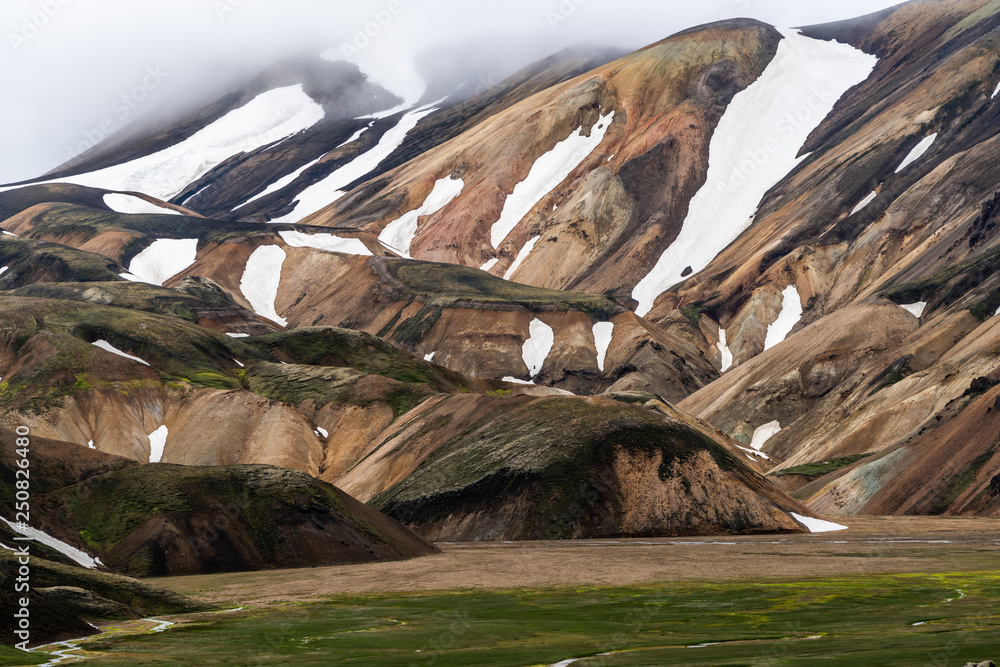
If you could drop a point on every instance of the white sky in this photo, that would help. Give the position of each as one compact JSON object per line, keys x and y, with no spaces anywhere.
{"x":65,"y":64}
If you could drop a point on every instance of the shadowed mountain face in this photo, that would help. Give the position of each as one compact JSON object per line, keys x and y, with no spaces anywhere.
{"x":477,"y":313}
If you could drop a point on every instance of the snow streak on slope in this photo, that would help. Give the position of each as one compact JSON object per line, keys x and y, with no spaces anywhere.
{"x":157,"y":442}
{"x":917,"y":152}
{"x":864,"y":202}
{"x":281,"y":183}
{"x":79,"y":557}
{"x":521,"y":256}
{"x":3,"y":269}
{"x":488,"y":266}
{"x":548,"y":172}
{"x":791,"y":313}
{"x":121,"y":203}
{"x":817,"y":525}
{"x":603,"y":334}
{"x":764,"y":433}
{"x":727,"y":354}
{"x":399,"y":234}
{"x":995,"y":92}
{"x":271,"y":116}
{"x":108,"y":347}
{"x":328,"y":242}
{"x":162,"y":260}
{"x":754,"y":147}
{"x":329,"y":190}
{"x":261,"y":280}
{"x":536,"y":349}
{"x":917,"y":308}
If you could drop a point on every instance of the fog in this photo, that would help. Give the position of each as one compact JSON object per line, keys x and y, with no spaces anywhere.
{"x":75,"y":71}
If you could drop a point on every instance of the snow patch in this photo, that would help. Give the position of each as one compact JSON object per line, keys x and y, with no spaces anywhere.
{"x":322,"y":432}
{"x":864,"y":202}
{"x":764,"y":433}
{"x":271,"y":116}
{"x":162,"y":260}
{"x":328,"y":242}
{"x":917,"y":152}
{"x":536,"y":349}
{"x":521,"y":256}
{"x":727,"y":354}
{"x":515,"y":380}
{"x":157,"y":441}
{"x":90,"y":444}
{"x":429,"y":357}
{"x":239,"y":363}
{"x":399,"y":234}
{"x":603,"y":334}
{"x":108,"y":347}
{"x":238,"y":335}
{"x":791,"y":313}
{"x":548,"y":172}
{"x":817,"y":525}
{"x":753,"y":452}
{"x":330,"y":189}
{"x":488,"y":266}
{"x":79,"y":557}
{"x":129,"y":204}
{"x":995,"y":92}
{"x":261,"y":280}
{"x":754,"y":147}
{"x":3,"y":269}
{"x":916,"y":309}
{"x":6,"y":233}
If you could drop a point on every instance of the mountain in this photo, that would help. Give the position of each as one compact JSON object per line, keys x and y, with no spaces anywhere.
{"x":739,"y":276}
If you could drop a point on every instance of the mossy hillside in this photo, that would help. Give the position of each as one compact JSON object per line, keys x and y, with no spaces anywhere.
{"x":13,"y":202}
{"x":53,"y":339}
{"x":134,"y":296}
{"x":818,"y":469}
{"x":29,"y":261}
{"x":296,"y":384}
{"x":552,"y":453}
{"x":445,"y":285}
{"x":327,"y":346}
{"x":973,"y":282}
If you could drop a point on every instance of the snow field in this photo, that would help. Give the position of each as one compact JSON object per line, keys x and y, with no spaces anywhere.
{"x":157,"y":442}
{"x":791,"y":313}
{"x":536,"y":349}
{"x":864,"y":202}
{"x":399,"y":234}
{"x":129,"y":204}
{"x":818,"y":525}
{"x":328,"y":242}
{"x":521,"y":256}
{"x":764,"y":433}
{"x":727,"y":354}
{"x":162,"y":260}
{"x":916,"y":309}
{"x":108,"y":347}
{"x":79,"y":557}
{"x":918,"y":152}
{"x":261,"y":280}
{"x":603,"y":334}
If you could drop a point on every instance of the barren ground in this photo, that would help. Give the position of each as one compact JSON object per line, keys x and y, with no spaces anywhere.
{"x":884,"y":545}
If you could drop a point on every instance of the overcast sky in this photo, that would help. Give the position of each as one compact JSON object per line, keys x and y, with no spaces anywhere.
{"x":74,"y":70}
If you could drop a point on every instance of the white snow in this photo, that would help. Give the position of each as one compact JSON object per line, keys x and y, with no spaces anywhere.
{"x":239,"y":363}
{"x":162,"y":260}
{"x":488,"y":266}
{"x":328,"y":242}
{"x":755,"y":145}
{"x":917,"y":152}
{"x":817,"y":525}
{"x":90,"y":444}
{"x":791,"y":313}
{"x":357,"y":135}
{"x":322,"y":431}
{"x":995,"y":92}
{"x":157,"y":441}
{"x":122,"y":203}
{"x":282,"y":182}
{"x":546,"y":173}
{"x":261,"y":280}
{"x":603,"y":334}
{"x":764,"y":433}
{"x":399,"y":233}
{"x":79,"y":557}
{"x":3,"y":269}
{"x":754,"y":452}
{"x":521,"y":256}
{"x":108,"y":347}
{"x":238,"y":335}
{"x":536,"y":349}
{"x":271,"y":116}
{"x":864,"y":202}
{"x":6,"y":233}
{"x":429,"y":357}
{"x":727,"y":354}
{"x":329,"y":190}
{"x":516,"y":381}
{"x":915,"y":308}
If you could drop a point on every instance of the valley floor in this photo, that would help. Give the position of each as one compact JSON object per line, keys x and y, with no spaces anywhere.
{"x":902,"y":590}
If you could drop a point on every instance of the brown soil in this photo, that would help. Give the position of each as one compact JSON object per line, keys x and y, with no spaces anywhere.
{"x":872,"y":545}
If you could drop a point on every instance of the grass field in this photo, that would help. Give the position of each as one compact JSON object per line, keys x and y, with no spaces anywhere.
{"x":855,"y":620}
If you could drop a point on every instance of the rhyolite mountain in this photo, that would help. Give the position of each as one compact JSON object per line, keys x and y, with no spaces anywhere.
{"x":739,"y":275}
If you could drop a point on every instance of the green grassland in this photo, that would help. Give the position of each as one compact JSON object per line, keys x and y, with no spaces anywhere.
{"x":839,"y":621}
